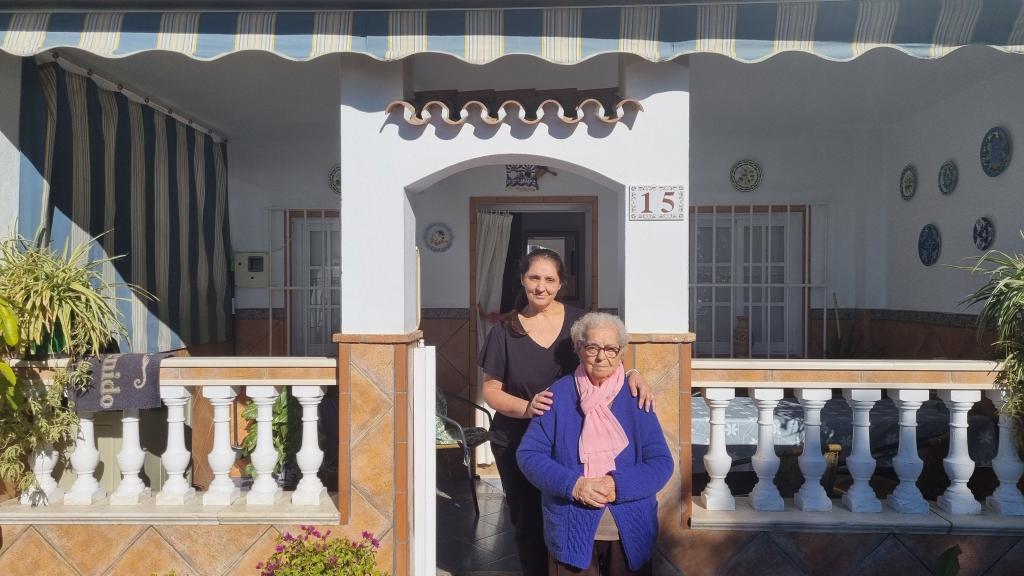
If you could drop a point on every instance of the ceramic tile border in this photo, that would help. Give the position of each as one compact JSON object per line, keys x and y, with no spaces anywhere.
{"x":377,"y":338}
{"x":680,"y":338}
{"x":445,"y":314}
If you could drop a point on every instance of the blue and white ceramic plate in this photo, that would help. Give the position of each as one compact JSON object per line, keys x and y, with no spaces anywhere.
{"x":984,"y":233}
{"x":949,"y":174}
{"x":438,"y":237}
{"x":908,"y":182}
{"x":996,"y":150}
{"x":929,"y":245}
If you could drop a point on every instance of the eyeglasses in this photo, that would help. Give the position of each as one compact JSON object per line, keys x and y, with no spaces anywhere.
{"x":609,"y":351}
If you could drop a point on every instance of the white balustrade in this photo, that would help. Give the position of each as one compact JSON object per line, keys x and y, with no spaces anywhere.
{"x":861,"y":464}
{"x":1006,"y":499}
{"x":765,"y":495}
{"x":958,"y":499}
{"x":907,"y":498}
{"x":46,"y":492}
{"x":716,"y":495}
{"x":812,"y":496}
{"x":176,"y":490}
{"x":310,"y":490}
{"x":222,"y":490}
{"x":131,"y":490}
{"x":265,"y":490}
{"x":84,"y":461}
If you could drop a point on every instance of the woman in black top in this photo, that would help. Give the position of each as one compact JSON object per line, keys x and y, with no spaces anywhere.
{"x":521,"y":357}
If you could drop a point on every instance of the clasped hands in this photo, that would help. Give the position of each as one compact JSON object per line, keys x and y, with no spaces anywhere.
{"x":594,"y":492}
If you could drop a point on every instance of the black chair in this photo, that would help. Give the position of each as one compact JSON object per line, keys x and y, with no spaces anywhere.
{"x":452,"y":435}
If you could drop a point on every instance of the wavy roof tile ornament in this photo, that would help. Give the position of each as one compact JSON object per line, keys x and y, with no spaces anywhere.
{"x":527,"y":106}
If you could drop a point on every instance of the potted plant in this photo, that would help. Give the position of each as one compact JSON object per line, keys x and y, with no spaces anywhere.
{"x":54,"y":303}
{"x":312,"y":553}
{"x":1002,"y":312}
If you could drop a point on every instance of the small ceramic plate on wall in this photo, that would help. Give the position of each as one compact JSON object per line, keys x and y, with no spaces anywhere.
{"x":746,"y":175}
{"x":996,"y":151}
{"x":438,"y":237}
{"x":949,"y":175}
{"x":929,"y":245}
{"x":908,"y":182}
{"x":984,"y":233}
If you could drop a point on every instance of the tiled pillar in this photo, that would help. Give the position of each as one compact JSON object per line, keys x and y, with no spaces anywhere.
{"x":664,"y":361}
{"x":373,"y":453}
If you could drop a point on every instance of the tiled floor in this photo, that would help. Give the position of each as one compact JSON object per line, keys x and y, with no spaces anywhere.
{"x":469,"y":546}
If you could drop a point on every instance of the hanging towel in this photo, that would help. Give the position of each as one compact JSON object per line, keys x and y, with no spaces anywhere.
{"x":122,"y":381}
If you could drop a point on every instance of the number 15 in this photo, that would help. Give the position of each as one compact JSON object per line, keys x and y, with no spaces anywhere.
{"x":668,"y":203}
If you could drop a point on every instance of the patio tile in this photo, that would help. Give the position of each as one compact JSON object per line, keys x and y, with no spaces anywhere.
{"x":88,"y":549}
{"x":764,"y":558}
{"x":891,"y":557}
{"x":30,"y":555}
{"x":462,"y":557}
{"x":978,"y":553}
{"x":500,"y":545}
{"x":150,"y":553}
{"x":211,"y":549}
{"x":8,"y":534}
{"x":259,"y":552}
{"x":1010,"y":563}
{"x":826,"y":552}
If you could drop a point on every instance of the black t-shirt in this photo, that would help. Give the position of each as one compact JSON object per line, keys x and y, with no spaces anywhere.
{"x":525,"y":368}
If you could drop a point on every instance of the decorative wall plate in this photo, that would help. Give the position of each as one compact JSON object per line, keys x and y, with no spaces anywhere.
{"x":908,"y":182}
{"x":996,"y":150}
{"x":984,"y":233}
{"x":949,"y":175}
{"x":746,"y":175}
{"x":438,"y":237}
{"x":929,"y":245}
{"x":334,"y":178}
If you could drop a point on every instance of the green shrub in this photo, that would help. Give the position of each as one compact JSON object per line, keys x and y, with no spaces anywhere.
{"x":314,"y":554}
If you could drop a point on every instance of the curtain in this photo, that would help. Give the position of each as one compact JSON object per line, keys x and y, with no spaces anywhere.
{"x":492,"y":234}
{"x":155,"y":188}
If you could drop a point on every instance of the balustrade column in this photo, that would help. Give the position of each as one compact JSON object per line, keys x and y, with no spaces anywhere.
{"x":958,"y":498}
{"x":265,"y":490}
{"x":861,"y":464}
{"x":86,"y":490}
{"x":812,"y":496}
{"x":765,"y":495}
{"x":222,"y":490}
{"x":131,"y":489}
{"x":1006,"y":499}
{"x":176,"y":457}
{"x":716,"y":495}
{"x":310,"y":490}
{"x":907,"y":498}
{"x":47,"y":492}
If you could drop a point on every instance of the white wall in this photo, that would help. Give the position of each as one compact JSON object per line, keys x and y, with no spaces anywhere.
{"x":445,"y":275}
{"x":953,"y":129}
{"x":10,"y":156}
{"x":382,"y":157}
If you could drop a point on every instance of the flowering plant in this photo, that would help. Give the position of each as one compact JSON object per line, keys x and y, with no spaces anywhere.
{"x":312,"y":553}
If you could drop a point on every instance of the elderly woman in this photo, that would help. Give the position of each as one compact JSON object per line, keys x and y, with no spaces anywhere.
{"x":598,"y":461}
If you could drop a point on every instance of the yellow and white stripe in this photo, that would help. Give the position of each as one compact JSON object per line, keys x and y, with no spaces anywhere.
{"x":876,"y":24}
{"x":638,"y":31}
{"x":255,"y":31}
{"x":957,"y":19}
{"x":162,"y":232}
{"x":716,"y":29}
{"x":220,"y":264}
{"x":332,"y":32}
{"x":80,"y":174}
{"x":108,"y":107}
{"x":25,"y":34}
{"x":561,"y":40}
{"x":485,"y":35}
{"x":179,"y":32}
{"x":794,"y":27}
{"x":139,"y":232}
{"x":101,"y":33}
{"x":407,"y":33}
{"x":184,"y":222}
{"x":202,"y":264}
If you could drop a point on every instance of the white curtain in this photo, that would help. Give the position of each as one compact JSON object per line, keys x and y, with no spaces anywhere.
{"x":492,"y":234}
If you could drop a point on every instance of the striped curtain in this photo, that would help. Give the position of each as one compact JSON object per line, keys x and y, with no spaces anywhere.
{"x":99,"y":163}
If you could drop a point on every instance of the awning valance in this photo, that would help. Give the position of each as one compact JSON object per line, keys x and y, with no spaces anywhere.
{"x":746,"y":31}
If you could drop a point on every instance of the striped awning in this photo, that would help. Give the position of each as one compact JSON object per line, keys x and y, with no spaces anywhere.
{"x":746,"y":31}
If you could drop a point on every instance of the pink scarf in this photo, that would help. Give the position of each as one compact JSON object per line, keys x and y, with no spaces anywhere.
{"x":603,"y":437}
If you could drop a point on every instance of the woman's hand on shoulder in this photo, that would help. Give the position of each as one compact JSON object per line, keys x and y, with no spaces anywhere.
{"x":640,"y":390}
{"x":540,"y":403}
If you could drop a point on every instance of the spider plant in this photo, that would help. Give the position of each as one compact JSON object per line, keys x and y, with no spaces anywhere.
{"x":1002,"y":300}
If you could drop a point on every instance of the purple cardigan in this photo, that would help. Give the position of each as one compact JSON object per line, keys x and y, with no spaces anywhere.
{"x":549,"y":457}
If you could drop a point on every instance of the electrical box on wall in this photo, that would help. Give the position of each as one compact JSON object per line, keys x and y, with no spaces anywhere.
{"x":251,"y":269}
